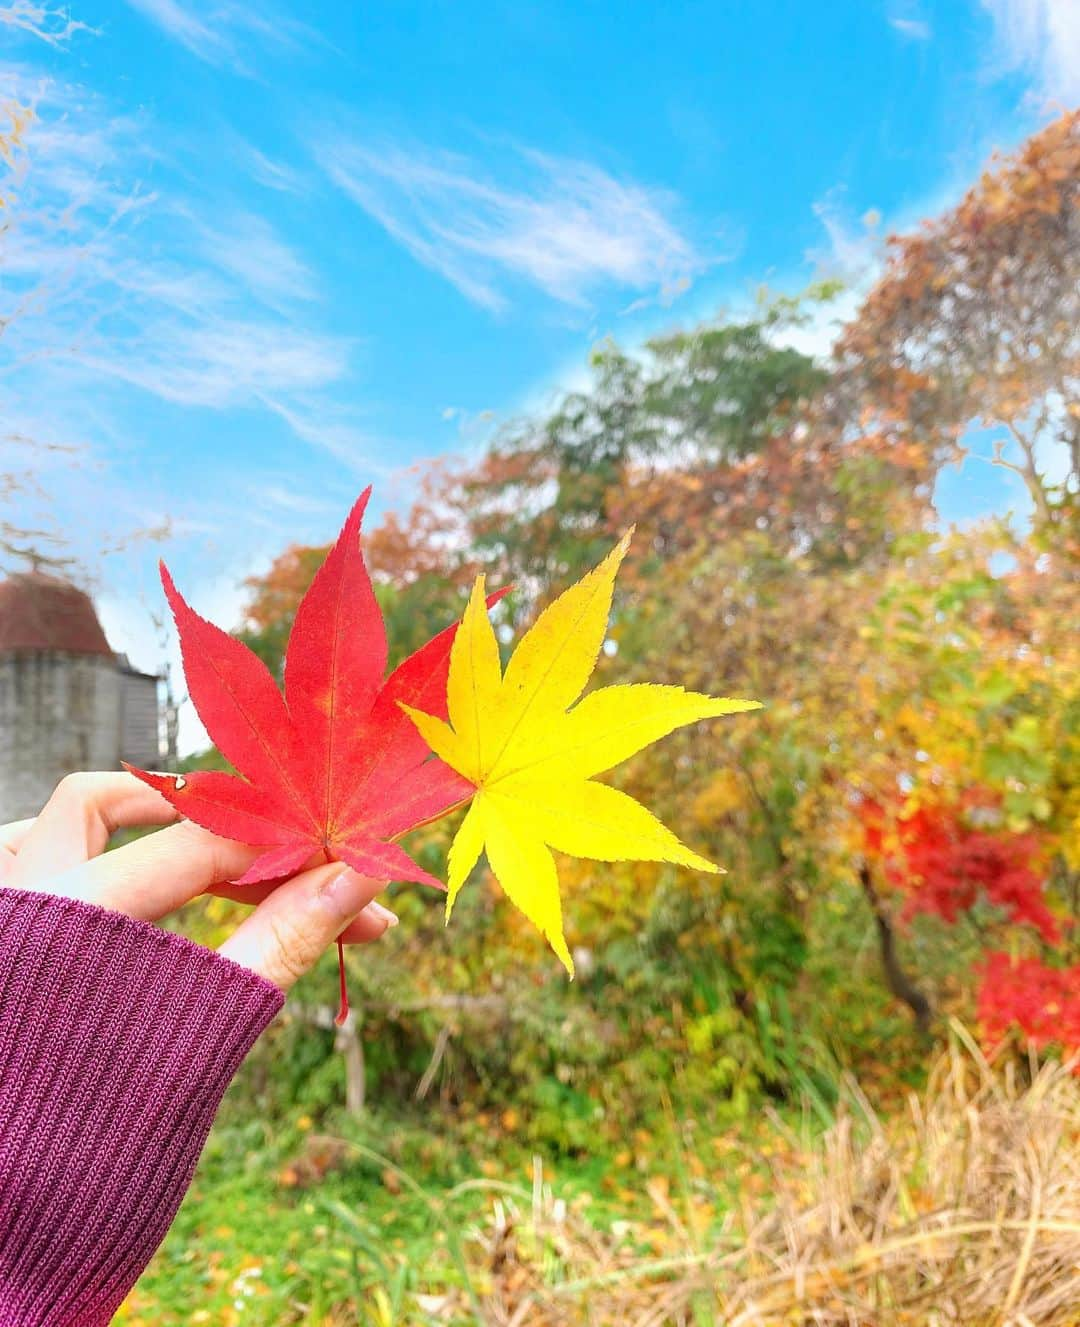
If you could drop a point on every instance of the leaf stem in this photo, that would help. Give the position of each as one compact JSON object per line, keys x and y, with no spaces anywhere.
{"x":343,"y":1007}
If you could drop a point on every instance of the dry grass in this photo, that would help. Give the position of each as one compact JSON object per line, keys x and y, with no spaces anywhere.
{"x":964,"y":1212}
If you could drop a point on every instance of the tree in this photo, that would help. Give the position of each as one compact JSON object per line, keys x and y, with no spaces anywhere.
{"x":977,"y":319}
{"x":704,"y":434}
{"x":686,"y":419}
{"x":550,"y":495}
{"x":967,"y":809}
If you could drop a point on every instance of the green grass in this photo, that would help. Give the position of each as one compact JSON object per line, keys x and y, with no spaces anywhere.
{"x":426,"y":1217}
{"x":269,"y":1235}
{"x":264,"y":1238}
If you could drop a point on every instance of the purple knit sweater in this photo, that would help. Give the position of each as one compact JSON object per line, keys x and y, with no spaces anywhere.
{"x":117,"y":1041}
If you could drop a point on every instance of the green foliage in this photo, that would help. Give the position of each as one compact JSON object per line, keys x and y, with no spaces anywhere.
{"x":710,"y":396}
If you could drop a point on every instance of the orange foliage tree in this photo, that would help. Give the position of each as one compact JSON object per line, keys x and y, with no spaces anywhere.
{"x":977,"y":318}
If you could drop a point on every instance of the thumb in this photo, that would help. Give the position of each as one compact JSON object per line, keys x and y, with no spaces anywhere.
{"x":289,"y":930}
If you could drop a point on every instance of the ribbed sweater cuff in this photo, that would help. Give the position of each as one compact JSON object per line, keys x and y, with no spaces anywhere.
{"x":117,"y":1041}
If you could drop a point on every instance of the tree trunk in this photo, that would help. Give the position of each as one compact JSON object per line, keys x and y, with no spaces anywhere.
{"x":897,"y":980}
{"x":352,"y":1048}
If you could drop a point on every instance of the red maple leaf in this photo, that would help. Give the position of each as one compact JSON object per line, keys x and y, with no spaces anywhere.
{"x":334,"y":766}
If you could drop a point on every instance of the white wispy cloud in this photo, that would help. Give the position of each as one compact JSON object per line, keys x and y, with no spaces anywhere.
{"x":250,"y":250}
{"x":281,"y":495}
{"x":333,"y":428}
{"x":564,"y":226}
{"x":223,"y":34}
{"x":178,"y":21}
{"x":853,"y":246}
{"x":109,"y":279}
{"x":1041,"y":38}
{"x":115,"y":298}
{"x":219,"y":361}
{"x":915,"y":29}
{"x":267,"y":171}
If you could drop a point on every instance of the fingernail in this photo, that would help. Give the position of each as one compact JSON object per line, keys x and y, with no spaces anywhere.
{"x":348,"y":893}
{"x":382,"y":914}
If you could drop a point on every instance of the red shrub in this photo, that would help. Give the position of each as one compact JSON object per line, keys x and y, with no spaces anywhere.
{"x":1042,"y":1003}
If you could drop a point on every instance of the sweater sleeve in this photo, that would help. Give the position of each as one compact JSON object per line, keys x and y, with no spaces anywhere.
{"x":117,"y":1042}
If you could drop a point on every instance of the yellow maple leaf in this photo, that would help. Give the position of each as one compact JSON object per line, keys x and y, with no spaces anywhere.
{"x":532,"y":757}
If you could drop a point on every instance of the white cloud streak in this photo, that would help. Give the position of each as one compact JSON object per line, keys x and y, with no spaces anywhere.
{"x":266,"y":171}
{"x":255,"y":255}
{"x":107,"y":288}
{"x":914,"y":29}
{"x":220,"y":362}
{"x":334,"y":429}
{"x":280,"y":495}
{"x":1040,"y":38}
{"x":178,"y":21}
{"x":224,"y":34}
{"x":565,"y":227}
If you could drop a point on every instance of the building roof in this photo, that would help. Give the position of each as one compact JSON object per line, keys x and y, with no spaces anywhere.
{"x":40,"y":612}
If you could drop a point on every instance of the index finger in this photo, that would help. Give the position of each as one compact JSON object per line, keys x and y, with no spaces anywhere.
{"x":156,"y":875}
{"x":77,"y":821}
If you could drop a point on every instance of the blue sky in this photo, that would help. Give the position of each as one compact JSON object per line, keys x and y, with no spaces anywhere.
{"x":270,"y":253}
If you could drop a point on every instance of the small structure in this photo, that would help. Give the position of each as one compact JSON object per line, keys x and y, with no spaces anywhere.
{"x":67,"y":701}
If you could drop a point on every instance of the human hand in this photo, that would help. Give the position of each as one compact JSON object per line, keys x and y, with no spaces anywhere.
{"x":62,"y":852}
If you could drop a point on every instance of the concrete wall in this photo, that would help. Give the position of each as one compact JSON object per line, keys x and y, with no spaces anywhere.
{"x":139,"y":736}
{"x":60,"y":713}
